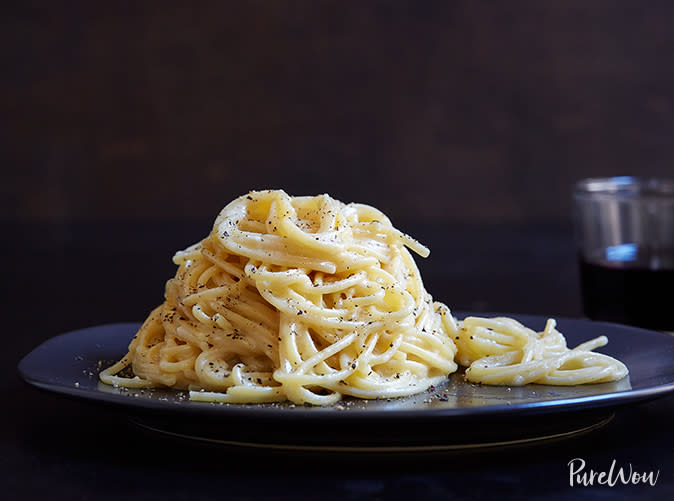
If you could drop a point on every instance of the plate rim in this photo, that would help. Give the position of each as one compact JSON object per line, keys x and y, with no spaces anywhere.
{"x":596,"y":423}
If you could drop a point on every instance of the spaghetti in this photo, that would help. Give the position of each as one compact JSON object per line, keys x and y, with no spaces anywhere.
{"x":504,"y":352}
{"x":308,"y":299}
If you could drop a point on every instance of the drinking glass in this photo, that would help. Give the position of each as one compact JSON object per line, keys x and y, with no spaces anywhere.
{"x":625,"y":234}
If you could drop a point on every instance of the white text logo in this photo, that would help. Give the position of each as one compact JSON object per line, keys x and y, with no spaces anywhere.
{"x":578,"y":475}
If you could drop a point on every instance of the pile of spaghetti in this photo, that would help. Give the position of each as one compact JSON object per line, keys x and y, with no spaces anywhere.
{"x":308,"y":299}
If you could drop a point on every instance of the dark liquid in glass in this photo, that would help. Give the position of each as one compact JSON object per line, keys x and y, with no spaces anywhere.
{"x":636,"y":291}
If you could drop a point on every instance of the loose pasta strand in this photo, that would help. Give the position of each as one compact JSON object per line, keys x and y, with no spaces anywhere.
{"x":501,"y":351}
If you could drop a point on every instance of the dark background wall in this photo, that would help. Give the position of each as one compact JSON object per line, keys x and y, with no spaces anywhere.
{"x":450,"y":111}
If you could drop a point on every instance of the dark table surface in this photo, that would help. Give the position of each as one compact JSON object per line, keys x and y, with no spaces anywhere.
{"x":60,"y":278}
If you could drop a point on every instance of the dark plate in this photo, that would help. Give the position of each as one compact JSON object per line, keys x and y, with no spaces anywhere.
{"x":457,"y":414}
